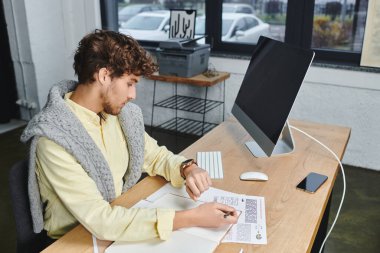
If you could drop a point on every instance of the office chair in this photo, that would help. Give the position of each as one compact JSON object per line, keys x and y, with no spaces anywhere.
{"x":27,"y":240}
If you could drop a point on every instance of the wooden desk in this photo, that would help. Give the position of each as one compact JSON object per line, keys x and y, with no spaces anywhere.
{"x":292,"y":216}
{"x":189,"y":103}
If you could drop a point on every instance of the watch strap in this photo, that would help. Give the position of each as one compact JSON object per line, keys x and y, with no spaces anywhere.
{"x":186,"y":164}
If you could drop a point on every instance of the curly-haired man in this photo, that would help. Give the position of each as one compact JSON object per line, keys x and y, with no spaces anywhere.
{"x":88,"y":146}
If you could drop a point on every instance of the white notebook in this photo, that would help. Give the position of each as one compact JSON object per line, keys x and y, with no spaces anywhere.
{"x":178,"y":242}
{"x":187,"y":240}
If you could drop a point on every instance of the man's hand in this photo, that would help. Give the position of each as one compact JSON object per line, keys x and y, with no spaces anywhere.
{"x":197,"y":181}
{"x":211,"y":215}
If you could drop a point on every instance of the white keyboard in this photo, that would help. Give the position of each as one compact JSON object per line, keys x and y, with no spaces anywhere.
{"x":212,"y":163}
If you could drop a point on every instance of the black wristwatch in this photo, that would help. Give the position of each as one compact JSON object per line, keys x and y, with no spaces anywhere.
{"x":184,"y":165}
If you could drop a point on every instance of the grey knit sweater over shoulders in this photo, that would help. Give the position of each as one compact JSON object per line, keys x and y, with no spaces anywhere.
{"x":58,"y":123}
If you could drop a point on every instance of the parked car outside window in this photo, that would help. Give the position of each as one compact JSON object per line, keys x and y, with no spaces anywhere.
{"x":129,"y":11}
{"x":152,"y":25}
{"x":238,"y":8}
{"x":237,"y":27}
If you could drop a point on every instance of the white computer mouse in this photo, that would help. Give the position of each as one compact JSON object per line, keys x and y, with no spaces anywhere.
{"x":254,"y":175}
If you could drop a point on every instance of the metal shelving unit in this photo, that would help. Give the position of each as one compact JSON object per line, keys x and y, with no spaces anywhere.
{"x":189,"y":104}
{"x":187,"y":126}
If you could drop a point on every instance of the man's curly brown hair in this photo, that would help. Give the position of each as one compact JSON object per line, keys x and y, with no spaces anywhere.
{"x":117,"y":52}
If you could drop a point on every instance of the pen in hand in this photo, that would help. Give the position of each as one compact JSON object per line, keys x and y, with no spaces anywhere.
{"x":226,"y":214}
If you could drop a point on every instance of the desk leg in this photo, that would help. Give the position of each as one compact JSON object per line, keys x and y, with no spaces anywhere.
{"x":322,"y":231}
{"x":151,"y":121}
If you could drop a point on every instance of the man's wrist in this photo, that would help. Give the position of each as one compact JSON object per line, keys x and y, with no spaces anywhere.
{"x":187,"y":170}
{"x":185,"y":165}
{"x":183,"y":219}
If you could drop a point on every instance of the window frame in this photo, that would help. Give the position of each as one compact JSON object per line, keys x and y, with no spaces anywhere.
{"x":299,"y":29}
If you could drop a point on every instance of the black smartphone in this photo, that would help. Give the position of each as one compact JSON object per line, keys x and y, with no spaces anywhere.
{"x":312,"y":182}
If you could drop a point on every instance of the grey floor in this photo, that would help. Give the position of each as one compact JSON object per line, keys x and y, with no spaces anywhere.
{"x":357,"y":229}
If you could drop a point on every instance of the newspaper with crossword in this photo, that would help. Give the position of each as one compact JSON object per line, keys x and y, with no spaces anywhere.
{"x":251,"y":226}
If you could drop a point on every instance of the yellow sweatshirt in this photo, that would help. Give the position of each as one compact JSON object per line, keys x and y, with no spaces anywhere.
{"x":71,"y":196}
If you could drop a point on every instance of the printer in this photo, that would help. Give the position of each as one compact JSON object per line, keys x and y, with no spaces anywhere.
{"x":182,"y":57}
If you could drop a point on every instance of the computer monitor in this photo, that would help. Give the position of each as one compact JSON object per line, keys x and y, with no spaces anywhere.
{"x":268,"y":91}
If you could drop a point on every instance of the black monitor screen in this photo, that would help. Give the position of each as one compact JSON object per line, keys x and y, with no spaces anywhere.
{"x":271,"y":83}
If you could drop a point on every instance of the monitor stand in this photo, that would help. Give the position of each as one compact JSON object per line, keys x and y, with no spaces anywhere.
{"x":285,"y":144}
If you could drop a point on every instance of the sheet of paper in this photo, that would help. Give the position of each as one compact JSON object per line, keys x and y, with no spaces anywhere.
{"x":95,"y":244}
{"x":176,"y":202}
{"x":185,"y":240}
{"x":207,"y":196}
{"x":212,"y":193}
{"x":178,"y":242}
{"x":251,"y":226}
{"x":181,"y":203}
{"x":167,"y":188}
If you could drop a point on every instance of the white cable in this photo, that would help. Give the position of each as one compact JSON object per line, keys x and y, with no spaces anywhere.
{"x":344,"y":182}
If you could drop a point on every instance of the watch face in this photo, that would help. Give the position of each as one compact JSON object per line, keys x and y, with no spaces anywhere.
{"x":187,"y":161}
{"x":184,"y":165}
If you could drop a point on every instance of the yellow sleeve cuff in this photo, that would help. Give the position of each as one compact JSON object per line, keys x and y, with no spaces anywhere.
{"x":176,"y":180}
{"x":165,"y":218}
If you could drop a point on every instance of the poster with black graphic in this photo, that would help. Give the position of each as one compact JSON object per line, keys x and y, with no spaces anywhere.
{"x":371,"y":44}
{"x":182,"y":24}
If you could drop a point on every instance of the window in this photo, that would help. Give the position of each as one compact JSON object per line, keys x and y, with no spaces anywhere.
{"x":150,"y":21}
{"x":264,"y":18}
{"x":144,"y":23}
{"x":269,"y":18}
{"x":126,"y":12}
{"x":237,"y":8}
{"x":242,"y":28}
{"x":336,"y":25}
{"x":333,"y":28}
{"x":246,"y":10}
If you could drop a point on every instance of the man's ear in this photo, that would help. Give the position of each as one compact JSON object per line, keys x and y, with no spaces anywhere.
{"x":103,"y":76}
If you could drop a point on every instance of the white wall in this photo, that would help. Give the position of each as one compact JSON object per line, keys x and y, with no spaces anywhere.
{"x":16,"y":19}
{"x":346,"y":98}
{"x":43,"y":37}
{"x":330,"y":96}
{"x":57,"y":27}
